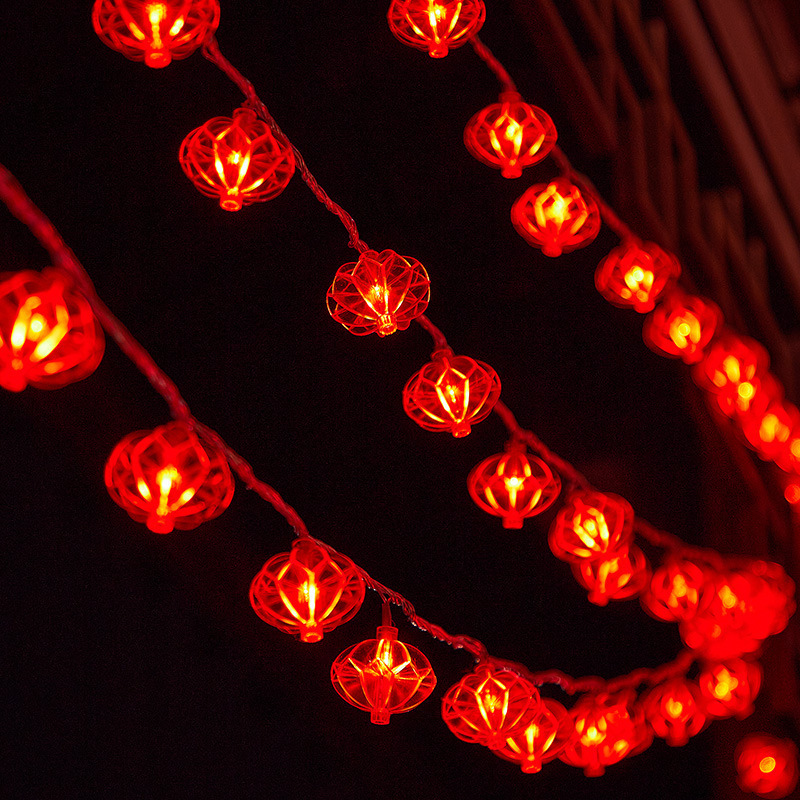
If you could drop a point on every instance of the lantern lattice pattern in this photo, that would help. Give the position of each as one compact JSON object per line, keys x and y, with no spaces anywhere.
{"x":556,"y":217}
{"x":730,"y":687}
{"x":676,"y":590}
{"x":489,"y":705}
{"x":436,"y":25}
{"x":682,"y":326}
{"x":617,"y":576}
{"x":451,"y":393}
{"x":513,"y":485}
{"x":308,"y":591}
{"x":767,"y":765}
{"x":383,"y":676}
{"x":237,"y":160}
{"x":769,"y":433}
{"x":510,"y":135}
{"x":635,"y":274}
{"x":590,"y":526}
{"x":542,"y":741}
{"x":49,"y":336}
{"x":155,"y":31}
{"x":380,"y":293}
{"x":168,"y":479}
{"x":674,"y":710}
{"x":608,"y":728}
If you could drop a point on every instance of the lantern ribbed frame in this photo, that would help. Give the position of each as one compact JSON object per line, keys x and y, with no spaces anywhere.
{"x":513,"y":485}
{"x":616,"y":576}
{"x":436,"y":25}
{"x":383,"y":676}
{"x":677,"y":590}
{"x":767,"y":765}
{"x":556,"y":217}
{"x":167,"y":478}
{"x":635,"y":274}
{"x":510,"y":135}
{"x":49,"y":336}
{"x":682,"y":326}
{"x":731,"y":361}
{"x":155,"y":32}
{"x":307,"y":592}
{"x":675,"y":710}
{"x":490,"y":704}
{"x":451,"y":393}
{"x":380,"y":293}
{"x":730,"y":687}
{"x":237,"y":160}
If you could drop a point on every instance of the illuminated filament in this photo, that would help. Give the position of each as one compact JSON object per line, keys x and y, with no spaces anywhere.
{"x":592,"y":529}
{"x":767,"y":764}
{"x":639,"y":282}
{"x":685,"y":330}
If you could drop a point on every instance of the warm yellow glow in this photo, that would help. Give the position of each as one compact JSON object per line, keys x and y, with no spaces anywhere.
{"x":156,"y":12}
{"x":767,"y":764}
{"x":592,"y":529}
{"x":177,"y":26}
{"x":732,"y":368}
{"x":684,"y":330}
{"x":308,"y":593}
{"x":674,"y":708}
{"x":726,"y":683}
{"x":746,"y":390}
{"x":727,"y":597}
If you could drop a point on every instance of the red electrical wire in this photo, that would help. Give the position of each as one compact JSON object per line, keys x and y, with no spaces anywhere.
{"x":486,"y":55}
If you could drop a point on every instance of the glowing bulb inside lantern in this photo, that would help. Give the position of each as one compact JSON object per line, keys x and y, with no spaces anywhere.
{"x":674,"y":708}
{"x":767,"y":764}
{"x":732,"y":369}
{"x":726,"y":683}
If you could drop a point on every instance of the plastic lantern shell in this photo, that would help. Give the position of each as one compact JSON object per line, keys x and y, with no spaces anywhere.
{"x":307,"y":592}
{"x":773,"y":602}
{"x":769,"y":432}
{"x":730,"y":687}
{"x":489,"y":705}
{"x":730,"y":361}
{"x":167,"y":478}
{"x":510,"y":135}
{"x":451,"y":393}
{"x":556,"y":217}
{"x":49,"y":336}
{"x":542,"y":740}
{"x":616,"y":576}
{"x":635,"y":274}
{"x":237,"y":160}
{"x":383,"y":676}
{"x":767,"y":765}
{"x":677,"y":589}
{"x":155,"y":31}
{"x":675,"y":710}
{"x":436,"y":25}
{"x":380,"y":293}
{"x":590,"y":526}
{"x":513,"y":485}
{"x":682,"y":326}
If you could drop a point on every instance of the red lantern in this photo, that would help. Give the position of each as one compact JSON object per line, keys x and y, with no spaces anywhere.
{"x":769,"y":432}
{"x":676,"y":590}
{"x":730,"y":687}
{"x":730,"y":361}
{"x":682,"y":326}
{"x":436,"y":25}
{"x":772,"y":603}
{"x":380,"y":293}
{"x":489,"y":705}
{"x":556,"y":217}
{"x":237,"y":160}
{"x":767,"y":765}
{"x":608,"y":727}
{"x":383,"y":676}
{"x":590,"y":526}
{"x":545,"y":737}
{"x":617,"y":576}
{"x":635,"y":274}
{"x":510,"y":135}
{"x":513,"y":485}
{"x":308,"y":591}
{"x":451,"y":393}
{"x":674,"y":710}
{"x":155,"y":31}
{"x":167,"y":478}
{"x":49,"y":336}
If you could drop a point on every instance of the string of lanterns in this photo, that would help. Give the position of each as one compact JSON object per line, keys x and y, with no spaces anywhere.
{"x":178,"y":475}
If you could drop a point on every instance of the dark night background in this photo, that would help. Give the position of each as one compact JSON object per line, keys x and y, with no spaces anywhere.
{"x":134,"y":665}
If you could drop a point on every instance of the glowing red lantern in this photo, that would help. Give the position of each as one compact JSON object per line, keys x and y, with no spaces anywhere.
{"x":674,"y":710}
{"x":676,"y":590}
{"x":436,"y":25}
{"x":510,"y":135}
{"x":616,"y":576}
{"x":155,"y":31}
{"x":772,"y":602}
{"x":451,"y":393}
{"x":590,"y":526}
{"x":767,"y":765}
{"x":237,"y":160}
{"x":682,"y":326}
{"x":556,"y":217}
{"x":167,"y":478}
{"x":489,"y":705}
{"x":769,"y":432}
{"x":380,"y":293}
{"x":730,"y":687}
{"x":307,"y":592}
{"x":608,"y":727}
{"x":383,"y":676}
{"x":545,"y":737}
{"x":49,"y":336}
{"x":635,"y":274}
{"x":513,"y":485}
